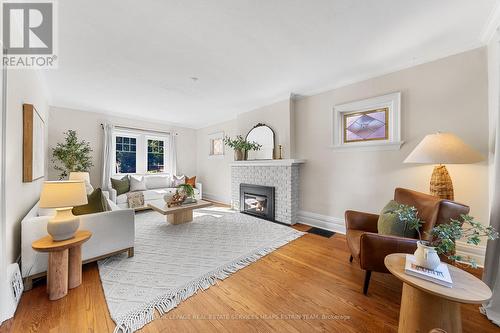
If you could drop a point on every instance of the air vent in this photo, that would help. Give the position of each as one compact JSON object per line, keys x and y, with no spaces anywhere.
{"x":16,"y":282}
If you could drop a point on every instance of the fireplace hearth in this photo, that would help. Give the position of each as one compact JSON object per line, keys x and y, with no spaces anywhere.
{"x":257,"y":200}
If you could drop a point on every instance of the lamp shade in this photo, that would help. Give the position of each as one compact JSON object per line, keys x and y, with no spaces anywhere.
{"x":63,"y":194}
{"x":79,"y":176}
{"x":443,"y":148}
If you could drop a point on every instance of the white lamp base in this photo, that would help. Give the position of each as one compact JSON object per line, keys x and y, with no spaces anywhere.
{"x":64,"y":225}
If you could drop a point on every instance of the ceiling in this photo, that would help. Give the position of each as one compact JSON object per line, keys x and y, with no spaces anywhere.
{"x":138,"y":58}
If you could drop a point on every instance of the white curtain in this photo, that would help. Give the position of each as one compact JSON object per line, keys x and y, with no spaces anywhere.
{"x":491,"y":275}
{"x":172,"y":168}
{"x":107,"y":156}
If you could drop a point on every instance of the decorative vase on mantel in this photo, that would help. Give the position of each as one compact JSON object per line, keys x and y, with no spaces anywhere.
{"x":240,"y":155}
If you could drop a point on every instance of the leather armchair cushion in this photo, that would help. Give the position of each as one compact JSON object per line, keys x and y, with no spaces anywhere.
{"x":354,"y":242}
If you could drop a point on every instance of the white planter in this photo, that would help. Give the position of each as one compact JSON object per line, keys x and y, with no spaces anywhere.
{"x":426,"y":256}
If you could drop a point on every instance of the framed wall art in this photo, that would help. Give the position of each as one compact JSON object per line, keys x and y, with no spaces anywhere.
{"x":216,"y":145}
{"x":368,"y":124}
{"x":33,"y":144}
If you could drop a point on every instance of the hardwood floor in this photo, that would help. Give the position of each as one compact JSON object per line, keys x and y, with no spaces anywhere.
{"x":306,"y":286}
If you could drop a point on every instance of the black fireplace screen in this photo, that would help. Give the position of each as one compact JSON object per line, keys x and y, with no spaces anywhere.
{"x":257,"y":200}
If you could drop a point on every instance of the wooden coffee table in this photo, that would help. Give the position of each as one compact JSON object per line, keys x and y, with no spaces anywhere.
{"x":178,"y":214}
{"x":65,"y":262}
{"x":426,"y":305}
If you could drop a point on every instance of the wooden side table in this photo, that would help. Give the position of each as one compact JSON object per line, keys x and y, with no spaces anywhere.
{"x":65,"y":262}
{"x":426,"y":305}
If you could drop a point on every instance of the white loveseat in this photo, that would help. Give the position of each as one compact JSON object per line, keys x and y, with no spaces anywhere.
{"x":154,"y":190}
{"x":113,"y":232}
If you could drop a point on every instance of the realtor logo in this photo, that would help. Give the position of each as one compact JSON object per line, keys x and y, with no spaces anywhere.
{"x":28,"y":34}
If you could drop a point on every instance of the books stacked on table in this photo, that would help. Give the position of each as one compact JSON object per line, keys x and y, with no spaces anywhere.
{"x":440,"y":275}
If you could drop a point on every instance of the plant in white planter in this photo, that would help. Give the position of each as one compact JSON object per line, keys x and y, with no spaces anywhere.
{"x":443,"y":237}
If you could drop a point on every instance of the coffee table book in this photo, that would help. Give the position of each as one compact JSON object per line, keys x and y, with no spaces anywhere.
{"x":440,"y":275}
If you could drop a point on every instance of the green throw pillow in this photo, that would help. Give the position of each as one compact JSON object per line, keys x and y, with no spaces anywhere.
{"x":96,"y":204}
{"x":121,"y":185}
{"x":389,"y":223}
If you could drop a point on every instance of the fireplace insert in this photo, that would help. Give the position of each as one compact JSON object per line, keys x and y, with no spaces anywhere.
{"x":257,"y":200}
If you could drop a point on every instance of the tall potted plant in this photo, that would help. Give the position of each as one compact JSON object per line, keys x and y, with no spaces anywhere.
{"x":72,"y":155}
{"x":443,"y":237}
{"x":241,"y":146}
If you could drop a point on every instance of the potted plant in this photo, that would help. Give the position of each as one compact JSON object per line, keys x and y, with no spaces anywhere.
{"x":72,"y":155}
{"x":187,"y":191}
{"x":443,"y":237}
{"x":241,"y":146}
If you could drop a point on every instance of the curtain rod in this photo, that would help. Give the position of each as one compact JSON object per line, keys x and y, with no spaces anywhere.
{"x":141,"y":129}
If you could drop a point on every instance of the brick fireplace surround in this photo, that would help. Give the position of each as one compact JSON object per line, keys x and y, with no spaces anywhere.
{"x":282,"y":174}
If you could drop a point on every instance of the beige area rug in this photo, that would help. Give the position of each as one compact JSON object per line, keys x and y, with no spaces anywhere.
{"x":174,"y":262}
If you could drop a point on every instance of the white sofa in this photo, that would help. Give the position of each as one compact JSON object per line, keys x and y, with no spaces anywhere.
{"x":113,"y":232}
{"x":153,"y":191}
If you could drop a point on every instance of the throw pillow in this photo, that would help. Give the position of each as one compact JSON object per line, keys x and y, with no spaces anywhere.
{"x":178,"y":180}
{"x":137,"y":184}
{"x":389,"y":223}
{"x":96,"y":204}
{"x":191,"y":181}
{"x":121,"y":185}
{"x":153,"y":182}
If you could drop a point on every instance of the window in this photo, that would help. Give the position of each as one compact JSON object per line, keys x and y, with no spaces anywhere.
{"x":126,"y":152}
{"x":156,"y":156}
{"x":216,"y":142}
{"x":140,"y":153}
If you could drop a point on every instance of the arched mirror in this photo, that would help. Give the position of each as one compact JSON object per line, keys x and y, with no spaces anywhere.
{"x":263,"y":135}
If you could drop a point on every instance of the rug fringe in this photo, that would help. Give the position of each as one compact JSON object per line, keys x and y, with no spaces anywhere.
{"x":163,"y":304}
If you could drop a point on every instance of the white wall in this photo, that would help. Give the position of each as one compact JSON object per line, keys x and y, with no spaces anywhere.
{"x":88,"y":127}
{"x":214,"y":173}
{"x":278,"y":117}
{"x":450,"y":94}
{"x":23,"y":86}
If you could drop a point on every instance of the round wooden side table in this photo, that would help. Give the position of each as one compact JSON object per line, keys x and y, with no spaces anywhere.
{"x":426,"y":305}
{"x":65,"y":262}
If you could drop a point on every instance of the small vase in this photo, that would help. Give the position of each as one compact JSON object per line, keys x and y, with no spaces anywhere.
{"x":426,"y":256}
{"x":239,"y":155}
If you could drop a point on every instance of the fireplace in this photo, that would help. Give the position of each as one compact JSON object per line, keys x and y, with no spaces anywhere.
{"x":257,"y":200}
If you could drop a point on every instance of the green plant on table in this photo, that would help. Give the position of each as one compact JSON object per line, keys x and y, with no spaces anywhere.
{"x":187,"y":189}
{"x":444,"y":236}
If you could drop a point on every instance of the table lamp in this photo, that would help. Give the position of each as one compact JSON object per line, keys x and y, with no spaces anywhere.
{"x":443,"y":148}
{"x":80,"y":175}
{"x":63,"y":195}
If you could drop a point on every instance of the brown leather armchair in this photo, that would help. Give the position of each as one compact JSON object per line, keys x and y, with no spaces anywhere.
{"x":369,"y":248}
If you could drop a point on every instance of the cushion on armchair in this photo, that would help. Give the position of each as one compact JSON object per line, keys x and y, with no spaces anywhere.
{"x":390,"y":224}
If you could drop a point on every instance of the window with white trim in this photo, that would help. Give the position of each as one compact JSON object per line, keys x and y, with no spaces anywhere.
{"x":140,"y":153}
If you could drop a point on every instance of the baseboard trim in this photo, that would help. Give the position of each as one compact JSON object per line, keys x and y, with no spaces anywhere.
{"x":322,"y":221}
{"x":217,"y":198}
{"x":475,"y":252}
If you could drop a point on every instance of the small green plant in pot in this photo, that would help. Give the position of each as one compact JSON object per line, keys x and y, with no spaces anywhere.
{"x":72,"y":155}
{"x":241,"y":146}
{"x":188,"y":191}
{"x":443,"y":237}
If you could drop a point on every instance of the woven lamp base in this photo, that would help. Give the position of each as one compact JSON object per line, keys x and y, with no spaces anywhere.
{"x":441,"y":184}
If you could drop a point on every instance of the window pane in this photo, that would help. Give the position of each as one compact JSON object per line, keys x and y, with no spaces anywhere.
{"x":155,"y":156}
{"x":125,"y":159}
